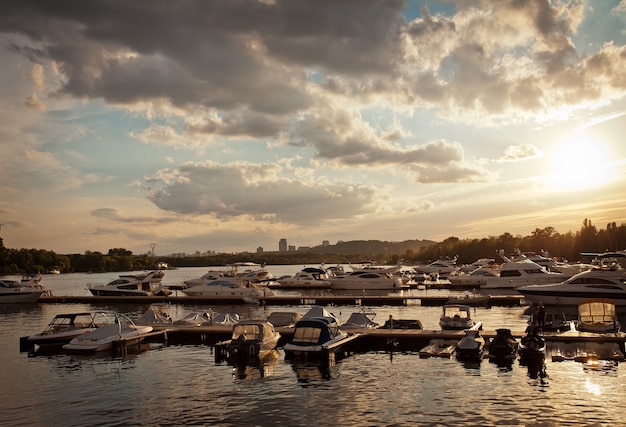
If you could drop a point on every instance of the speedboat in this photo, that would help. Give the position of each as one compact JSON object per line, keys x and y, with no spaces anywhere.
{"x":144,"y":284}
{"x":471,"y":346}
{"x":514,"y":274}
{"x":252,"y":338}
{"x":102,"y":339}
{"x":503,"y":347}
{"x":604,"y":281}
{"x":228,"y":290}
{"x":61,"y":330}
{"x":316,"y":336}
{"x":456,"y":316}
{"x":367,"y":279}
{"x":12,"y":291}
{"x":307,"y":277}
{"x":597,"y":315}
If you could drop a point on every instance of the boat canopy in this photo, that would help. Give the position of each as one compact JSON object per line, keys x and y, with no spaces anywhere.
{"x":315,"y":330}
{"x":596,"y":310}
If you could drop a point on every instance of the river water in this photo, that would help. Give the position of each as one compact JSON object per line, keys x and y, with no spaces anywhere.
{"x":183,"y":385}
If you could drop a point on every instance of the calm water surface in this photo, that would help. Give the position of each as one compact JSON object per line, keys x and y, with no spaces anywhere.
{"x":182,"y":385}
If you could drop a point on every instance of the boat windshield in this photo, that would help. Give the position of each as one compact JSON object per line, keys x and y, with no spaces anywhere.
{"x":250,"y":332}
{"x":307,"y":335}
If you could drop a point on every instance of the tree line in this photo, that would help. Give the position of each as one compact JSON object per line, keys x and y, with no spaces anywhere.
{"x":567,"y":246}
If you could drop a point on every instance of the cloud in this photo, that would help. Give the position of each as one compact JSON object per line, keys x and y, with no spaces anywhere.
{"x":258,"y":191}
{"x":514,"y":153}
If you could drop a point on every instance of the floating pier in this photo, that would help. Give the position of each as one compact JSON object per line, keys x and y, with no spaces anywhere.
{"x":281,"y":300}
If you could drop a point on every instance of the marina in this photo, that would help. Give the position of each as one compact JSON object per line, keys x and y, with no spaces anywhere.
{"x":178,"y":367}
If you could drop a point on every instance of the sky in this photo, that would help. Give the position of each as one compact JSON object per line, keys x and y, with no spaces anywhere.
{"x":226,"y":125}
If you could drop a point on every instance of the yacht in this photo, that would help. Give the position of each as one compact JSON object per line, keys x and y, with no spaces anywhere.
{"x":474,"y":279}
{"x":142,"y":284}
{"x":514,"y":274}
{"x":12,"y":291}
{"x":367,"y":279}
{"x":307,"y":277}
{"x":605,"y":281}
{"x":224,"y":289}
{"x":254,"y":273}
{"x":443,"y":266}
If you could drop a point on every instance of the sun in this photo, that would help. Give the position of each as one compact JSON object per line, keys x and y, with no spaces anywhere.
{"x":580,"y":163}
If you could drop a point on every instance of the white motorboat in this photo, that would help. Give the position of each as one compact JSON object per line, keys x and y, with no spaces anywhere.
{"x":143,"y":284}
{"x":514,"y":274}
{"x":479,"y":263}
{"x":605,"y":281}
{"x":443,"y":266}
{"x":475,"y":279}
{"x":228,"y":290}
{"x":307,"y":277}
{"x":253,"y":273}
{"x":367,"y":279}
{"x":597,"y":315}
{"x":102,"y":339}
{"x":12,"y":291}
{"x":62,"y":329}
{"x":456,"y":317}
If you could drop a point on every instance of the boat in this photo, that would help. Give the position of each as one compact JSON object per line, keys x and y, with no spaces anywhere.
{"x":361,"y":320}
{"x":308,"y":277}
{"x":13,"y":291}
{"x":456,"y":316}
{"x":471,"y":346}
{"x":392,"y":323}
{"x":316,"y":337}
{"x":553,"y":322}
{"x":102,"y":339}
{"x":439,"y":347}
{"x":195,"y":318}
{"x":157,"y":314}
{"x":523,"y":272}
{"x":475,"y":279}
{"x":473,"y":300}
{"x":222,"y":289}
{"x":251,"y":338}
{"x":606,"y":280}
{"x":367,"y":279}
{"x":479,"y":263}
{"x":443,"y":266}
{"x":61,"y":330}
{"x":141,"y":284}
{"x":503,"y":347}
{"x":283,"y":318}
{"x":597,"y":315}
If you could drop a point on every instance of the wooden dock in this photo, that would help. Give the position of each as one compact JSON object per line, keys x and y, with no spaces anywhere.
{"x":282,"y":300}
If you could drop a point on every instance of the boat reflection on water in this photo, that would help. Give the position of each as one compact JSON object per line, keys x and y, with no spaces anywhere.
{"x":255,"y":368}
{"x":311,"y":373}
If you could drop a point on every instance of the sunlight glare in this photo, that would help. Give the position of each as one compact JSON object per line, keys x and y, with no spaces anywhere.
{"x":580,"y":163}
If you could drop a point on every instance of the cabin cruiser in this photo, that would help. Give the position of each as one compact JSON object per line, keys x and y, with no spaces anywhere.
{"x":12,"y":291}
{"x":606,"y":281}
{"x":316,"y":335}
{"x":456,"y":317}
{"x":102,"y":338}
{"x":514,"y":274}
{"x":597,"y":315}
{"x":307,"y":277}
{"x":443,"y":266}
{"x":143,"y":284}
{"x":251,"y":338}
{"x":367,"y":279}
{"x":62,"y":329}
{"x":228,"y":290}
{"x":254,"y":274}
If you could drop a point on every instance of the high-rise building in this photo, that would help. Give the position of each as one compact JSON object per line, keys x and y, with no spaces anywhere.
{"x":282,"y":245}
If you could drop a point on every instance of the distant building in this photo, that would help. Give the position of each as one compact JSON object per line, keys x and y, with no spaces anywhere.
{"x":282,"y":245}
{"x":292,"y":248}
{"x":259,"y":250}
{"x":325,"y":243}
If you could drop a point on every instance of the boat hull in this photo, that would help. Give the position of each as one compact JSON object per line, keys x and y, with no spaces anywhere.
{"x":20,"y":297}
